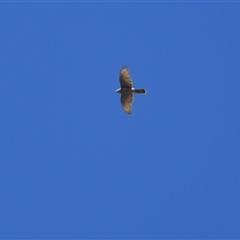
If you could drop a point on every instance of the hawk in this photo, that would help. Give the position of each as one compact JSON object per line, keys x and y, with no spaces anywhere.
{"x":127,"y":90}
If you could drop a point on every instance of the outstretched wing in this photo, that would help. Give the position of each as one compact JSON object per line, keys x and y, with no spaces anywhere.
{"x":126,"y":101}
{"x":124,"y":78}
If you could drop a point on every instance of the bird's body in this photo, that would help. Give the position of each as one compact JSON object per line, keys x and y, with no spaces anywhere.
{"x":127,"y":90}
{"x":131,"y":90}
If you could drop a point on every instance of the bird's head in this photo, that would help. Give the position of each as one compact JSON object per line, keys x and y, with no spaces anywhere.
{"x":118,"y":90}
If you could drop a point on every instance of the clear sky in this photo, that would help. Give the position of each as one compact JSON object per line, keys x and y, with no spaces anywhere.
{"x":75,"y":165}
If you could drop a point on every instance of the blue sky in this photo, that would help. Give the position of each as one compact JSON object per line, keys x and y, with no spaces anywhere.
{"x":75,"y":165}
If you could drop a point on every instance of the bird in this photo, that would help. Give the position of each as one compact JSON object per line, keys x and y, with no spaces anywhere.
{"x":127,"y":90}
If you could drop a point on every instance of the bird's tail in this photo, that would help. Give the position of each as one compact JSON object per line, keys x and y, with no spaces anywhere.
{"x":139,"y":90}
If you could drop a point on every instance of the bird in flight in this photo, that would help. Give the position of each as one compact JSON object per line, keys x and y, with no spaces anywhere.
{"x":127,"y":90}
